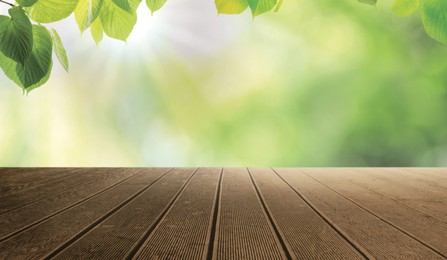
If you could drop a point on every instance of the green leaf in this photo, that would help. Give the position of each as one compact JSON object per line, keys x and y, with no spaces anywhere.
{"x":37,"y":68}
{"x":9,"y":68}
{"x":261,"y":6}
{"x":86,"y":12}
{"x":231,"y":6}
{"x":97,"y":31}
{"x":59,"y":49}
{"x":155,"y":5}
{"x":434,"y":14}
{"x":369,"y":2}
{"x":116,"y":22}
{"x":26,"y":3}
{"x":405,"y":7}
{"x":16,"y":35}
{"x":123,"y":4}
{"x":40,"y":60}
{"x":41,"y":82}
{"x":134,"y":4}
{"x":278,"y":5}
{"x":48,"y":11}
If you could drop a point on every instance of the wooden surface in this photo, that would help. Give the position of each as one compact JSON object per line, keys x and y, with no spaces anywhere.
{"x":230,"y":213}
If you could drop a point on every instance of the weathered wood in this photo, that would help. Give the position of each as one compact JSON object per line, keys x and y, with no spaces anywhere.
{"x":132,"y":223}
{"x":51,"y":234}
{"x":422,"y":227}
{"x":437,"y":174}
{"x":27,"y":216}
{"x":51,"y":188}
{"x":308,"y":235}
{"x":23,"y":175}
{"x":379,"y":238}
{"x":184,"y":231}
{"x":243,"y":229}
{"x":234,"y":213}
{"x":403,"y":189}
{"x":430,"y":178}
{"x":13,"y":181}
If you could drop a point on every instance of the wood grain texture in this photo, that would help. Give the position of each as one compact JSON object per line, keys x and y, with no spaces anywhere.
{"x":15,"y":180}
{"x":308,"y":235}
{"x":24,"y":217}
{"x":230,"y":213}
{"x":244,"y":231}
{"x":67,"y":181}
{"x":183,"y":232}
{"x":403,"y":189}
{"x":379,"y":238}
{"x":420,"y":226}
{"x":432,"y":181}
{"x":128,"y":226}
{"x":46,"y":237}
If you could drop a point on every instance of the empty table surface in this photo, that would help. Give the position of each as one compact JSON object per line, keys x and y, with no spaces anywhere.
{"x":223,"y":213}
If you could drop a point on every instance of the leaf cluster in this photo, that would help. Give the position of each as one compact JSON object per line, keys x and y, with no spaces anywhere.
{"x":26,"y":46}
{"x":257,"y":7}
{"x":26,"y":49}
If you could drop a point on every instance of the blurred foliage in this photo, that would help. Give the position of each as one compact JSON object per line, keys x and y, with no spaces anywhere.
{"x":322,"y":83}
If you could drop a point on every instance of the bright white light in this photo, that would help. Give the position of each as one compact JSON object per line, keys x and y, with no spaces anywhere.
{"x":182,"y":27}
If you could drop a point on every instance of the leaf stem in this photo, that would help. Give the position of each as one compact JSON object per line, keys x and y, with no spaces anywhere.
{"x":12,"y":5}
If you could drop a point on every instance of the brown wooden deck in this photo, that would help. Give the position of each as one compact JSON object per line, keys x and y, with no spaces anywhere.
{"x":230,"y":213}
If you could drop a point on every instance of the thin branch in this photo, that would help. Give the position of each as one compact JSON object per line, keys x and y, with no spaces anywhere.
{"x":1,"y":1}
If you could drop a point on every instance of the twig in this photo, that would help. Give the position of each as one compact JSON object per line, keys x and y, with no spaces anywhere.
{"x":7,"y":3}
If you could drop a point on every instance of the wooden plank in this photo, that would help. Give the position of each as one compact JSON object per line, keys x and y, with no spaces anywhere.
{"x":403,"y":189}
{"x":379,"y":238}
{"x":433,"y":183}
{"x":17,"y":175}
{"x":432,"y":177}
{"x":184,"y":232}
{"x":53,"y":233}
{"x":25,"y":217}
{"x":21,"y":175}
{"x":438,"y":174}
{"x":243,"y":230}
{"x":51,"y":188}
{"x":307,"y":234}
{"x":410,"y":180}
{"x":127,"y":228}
{"x":422,"y":227}
{"x":20,"y":180}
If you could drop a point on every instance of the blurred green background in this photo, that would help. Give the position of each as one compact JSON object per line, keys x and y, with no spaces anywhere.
{"x":320,"y":83}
